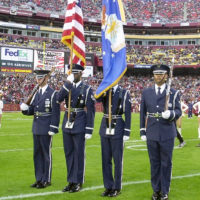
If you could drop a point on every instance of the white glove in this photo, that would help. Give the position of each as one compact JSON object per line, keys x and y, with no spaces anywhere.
{"x":125,"y":138}
{"x":88,"y":136}
{"x":70,"y":78}
{"x":51,"y":133}
{"x":144,"y":138}
{"x":24,"y":107}
{"x":166,"y":114}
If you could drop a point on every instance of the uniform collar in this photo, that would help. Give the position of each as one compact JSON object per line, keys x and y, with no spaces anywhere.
{"x":77,"y":84}
{"x":43,"y":88}
{"x":162,"y":87}
{"x":115,"y":88}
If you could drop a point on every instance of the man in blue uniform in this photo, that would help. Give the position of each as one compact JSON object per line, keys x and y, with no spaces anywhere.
{"x":158,"y":128}
{"x":78,"y":127}
{"x":190,"y":108}
{"x":46,"y":113}
{"x":112,"y":139}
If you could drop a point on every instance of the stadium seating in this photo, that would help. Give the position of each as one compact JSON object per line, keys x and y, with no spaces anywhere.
{"x":185,"y":55}
{"x":162,"y":11}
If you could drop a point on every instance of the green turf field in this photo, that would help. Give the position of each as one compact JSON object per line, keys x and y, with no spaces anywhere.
{"x":17,"y":173}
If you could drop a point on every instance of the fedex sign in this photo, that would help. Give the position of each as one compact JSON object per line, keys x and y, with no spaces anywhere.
{"x":16,"y":54}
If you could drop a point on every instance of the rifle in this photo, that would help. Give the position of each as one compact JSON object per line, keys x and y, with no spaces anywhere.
{"x":35,"y":89}
{"x":169,"y":85}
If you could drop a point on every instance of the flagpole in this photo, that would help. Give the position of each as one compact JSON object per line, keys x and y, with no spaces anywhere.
{"x":44,"y":50}
{"x":110,"y":110}
{"x":70,"y":92}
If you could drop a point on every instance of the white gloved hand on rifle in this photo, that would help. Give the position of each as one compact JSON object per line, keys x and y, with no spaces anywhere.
{"x":125,"y":138}
{"x":23,"y":107}
{"x":70,"y":78}
{"x":88,"y":136}
{"x":144,"y":138}
{"x":51,"y":133}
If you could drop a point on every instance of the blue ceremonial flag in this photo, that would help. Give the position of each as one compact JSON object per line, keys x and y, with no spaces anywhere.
{"x":113,"y":45}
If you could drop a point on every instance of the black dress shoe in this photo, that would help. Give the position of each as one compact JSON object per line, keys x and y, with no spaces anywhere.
{"x":68,"y":187}
{"x":156,"y":196}
{"x":164,"y":197}
{"x":34,"y":185}
{"x":43,"y":185}
{"x":106,"y":192}
{"x":46,"y":184}
{"x":76,"y":187}
{"x":114,"y":193}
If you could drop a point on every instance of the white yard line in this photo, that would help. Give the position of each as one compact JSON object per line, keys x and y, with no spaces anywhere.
{"x":28,"y":149}
{"x":8,"y":134}
{"x":21,"y":196}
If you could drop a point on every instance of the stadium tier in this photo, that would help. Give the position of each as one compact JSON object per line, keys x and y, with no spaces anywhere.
{"x":136,"y":54}
{"x":162,"y":11}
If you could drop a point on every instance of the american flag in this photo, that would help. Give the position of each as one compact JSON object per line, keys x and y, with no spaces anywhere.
{"x":73,"y":26}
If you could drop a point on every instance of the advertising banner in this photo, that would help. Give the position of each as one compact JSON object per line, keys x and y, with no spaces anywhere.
{"x":16,"y":60}
{"x":48,"y":59}
{"x":142,"y":66}
{"x":88,"y":72}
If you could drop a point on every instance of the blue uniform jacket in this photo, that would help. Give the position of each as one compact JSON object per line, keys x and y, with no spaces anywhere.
{"x":84,"y":120}
{"x":46,"y":112}
{"x":155,"y":127}
{"x":122,"y":126}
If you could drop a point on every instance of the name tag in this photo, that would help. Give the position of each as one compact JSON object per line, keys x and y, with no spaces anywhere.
{"x":69,"y":125}
{"x":110,"y":131}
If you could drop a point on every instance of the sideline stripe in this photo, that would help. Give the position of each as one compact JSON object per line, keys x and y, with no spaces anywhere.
{"x":90,"y":146}
{"x":30,"y":149}
{"x":6,"y":135}
{"x":88,"y":188}
{"x":140,"y":141}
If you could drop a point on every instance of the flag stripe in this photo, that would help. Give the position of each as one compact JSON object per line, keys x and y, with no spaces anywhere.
{"x":73,"y":28}
{"x":79,"y":37}
{"x":70,"y":18}
{"x":71,"y":11}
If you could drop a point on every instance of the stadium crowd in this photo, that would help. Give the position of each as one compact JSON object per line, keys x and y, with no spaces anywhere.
{"x":137,"y":55}
{"x":162,"y":11}
{"x":17,"y":87}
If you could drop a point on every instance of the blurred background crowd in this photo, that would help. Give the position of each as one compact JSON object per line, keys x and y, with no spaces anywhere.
{"x":17,"y":87}
{"x":170,"y":11}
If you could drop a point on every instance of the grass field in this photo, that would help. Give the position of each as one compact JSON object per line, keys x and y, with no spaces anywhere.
{"x":17,"y":173}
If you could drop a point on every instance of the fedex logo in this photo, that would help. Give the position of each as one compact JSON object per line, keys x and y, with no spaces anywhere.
{"x":16,"y":53}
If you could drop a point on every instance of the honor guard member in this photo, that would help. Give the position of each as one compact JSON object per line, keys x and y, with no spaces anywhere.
{"x":196,"y":107}
{"x":190,"y":108}
{"x":158,"y":128}
{"x":112,"y":139}
{"x":78,"y":127}
{"x":46,"y":113}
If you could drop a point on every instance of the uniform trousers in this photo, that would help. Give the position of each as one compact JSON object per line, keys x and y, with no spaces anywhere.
{"x":42,"y":157}
{"x":74,"y":148}
{"x":160,"y":154}
{"x":112,"y":148}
